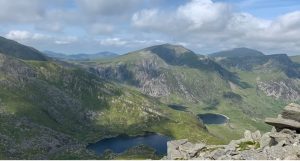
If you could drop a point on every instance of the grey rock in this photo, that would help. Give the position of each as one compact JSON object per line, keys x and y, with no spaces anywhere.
{"x":256,"y":135}
{"x":282,"y":123}
{"x":292,"y":112}
{"x":252,"y":155}
{"x":279,"y":137}
{"x":217,"y":154}
{"x":248,"y":135}
{"x":182,"y":149}
{"x":266,"y":140}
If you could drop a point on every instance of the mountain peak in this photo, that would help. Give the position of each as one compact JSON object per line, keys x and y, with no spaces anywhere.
{"x":172,"y":54}
{"x":170,"y":48}
{"x":237,"y":52}
{"x":15,"y":49}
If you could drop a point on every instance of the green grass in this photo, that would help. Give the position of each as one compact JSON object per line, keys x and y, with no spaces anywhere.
{"x":248,"y":144}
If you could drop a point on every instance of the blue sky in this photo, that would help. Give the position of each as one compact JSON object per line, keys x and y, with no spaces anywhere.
{"x":204,"y":26}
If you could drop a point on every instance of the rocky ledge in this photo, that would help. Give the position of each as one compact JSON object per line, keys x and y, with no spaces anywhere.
{"x":282,"y":143}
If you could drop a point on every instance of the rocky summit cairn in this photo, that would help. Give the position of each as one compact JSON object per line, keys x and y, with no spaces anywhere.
{"x":282,"y":143}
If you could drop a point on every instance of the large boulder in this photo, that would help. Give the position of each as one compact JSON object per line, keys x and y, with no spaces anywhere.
{"x":182,"y":149}
{"x":292,"y":112}
{"x":289,"y":118}
{"x":281,"y":123}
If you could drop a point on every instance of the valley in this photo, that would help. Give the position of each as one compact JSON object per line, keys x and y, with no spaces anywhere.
{"x":55,"y":108}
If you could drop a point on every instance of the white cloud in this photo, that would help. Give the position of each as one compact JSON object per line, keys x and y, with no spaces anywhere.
{"x":146,"y":18}
{"x":19,"y":35}
{"x":200,"y":24}
{"x":214,"y":25}
{"x":108,"y":7}
{"x":65,"y":40}
{"x":28,"y":37}
{"x":101,"y":28}
{"x":204,"y":14}
{"x":113,"y":42}
{"x":20,"y":11}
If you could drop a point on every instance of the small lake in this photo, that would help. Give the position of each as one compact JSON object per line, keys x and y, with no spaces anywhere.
{"x":121,"y":143}
{"x":211,"y":118}
{"x":178,"y":107}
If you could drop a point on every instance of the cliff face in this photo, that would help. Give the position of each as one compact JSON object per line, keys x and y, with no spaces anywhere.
{"x":283,"y":142}
{"x":286,"y":89}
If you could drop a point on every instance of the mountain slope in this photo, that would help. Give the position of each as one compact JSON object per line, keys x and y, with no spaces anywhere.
{"x":237,"y":52}
{"x":51,"y":110}
{"x":15,"y":49}
{"x":275,"y":75}
{"x":295,"y":58}
{"x":170,"y":72}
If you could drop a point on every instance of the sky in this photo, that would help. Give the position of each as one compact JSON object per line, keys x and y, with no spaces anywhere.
{"x":204,"y":26}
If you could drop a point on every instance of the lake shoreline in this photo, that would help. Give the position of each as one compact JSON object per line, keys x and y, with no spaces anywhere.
{"x":122,"y":142}
{"x":213,"y":118}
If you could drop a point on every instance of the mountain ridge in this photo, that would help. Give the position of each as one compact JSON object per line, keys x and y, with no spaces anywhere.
{"x":237,"y":52}
{"x":81,"y":56}
{"x":15,"y":49}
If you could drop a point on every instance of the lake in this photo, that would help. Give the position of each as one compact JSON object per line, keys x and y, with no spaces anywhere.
{"x":178,"y":107}
{"x":211,"y":118}
{"x":121,"y":143}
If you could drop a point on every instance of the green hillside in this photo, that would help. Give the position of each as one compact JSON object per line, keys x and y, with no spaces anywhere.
{"x":51,"y":110}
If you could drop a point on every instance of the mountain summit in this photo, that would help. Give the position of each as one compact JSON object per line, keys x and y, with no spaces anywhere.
{"x":237,"y":52}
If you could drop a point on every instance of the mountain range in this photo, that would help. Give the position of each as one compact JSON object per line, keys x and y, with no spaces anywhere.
{"x":51,"y":108}
{"x":81,"y":56}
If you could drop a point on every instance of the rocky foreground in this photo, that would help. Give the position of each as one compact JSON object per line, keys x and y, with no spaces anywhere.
{"x":283,"y":142}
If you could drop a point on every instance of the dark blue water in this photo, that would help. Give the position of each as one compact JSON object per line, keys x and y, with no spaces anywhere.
{"x":178,"y":107}
{"x":121,"y":143}
{"x":210,"y":118}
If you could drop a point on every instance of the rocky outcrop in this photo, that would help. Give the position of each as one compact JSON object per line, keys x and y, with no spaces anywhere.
{"x":290,"y":118}
{"x":283,"y":89}
{"x":292,"y":111}
{"x":274,"y":145}
{"x":283,"y":142}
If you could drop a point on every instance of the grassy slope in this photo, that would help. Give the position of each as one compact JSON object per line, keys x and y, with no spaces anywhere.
{"x":251,"y":111}
{"x":71,"y":92}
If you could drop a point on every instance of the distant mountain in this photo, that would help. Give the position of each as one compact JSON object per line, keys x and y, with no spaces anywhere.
{"x":276,"y":75}
{"x":295,"y":58}
{"x":15,"y":49}
{"x":237,"y":52}
{"x":81,"y":56}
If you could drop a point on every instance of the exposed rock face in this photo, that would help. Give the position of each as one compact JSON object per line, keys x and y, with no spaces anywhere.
{"x":292,"y":111}
{"x":290,"y":118}
{"x":283,"y":89}
{"x":283,"y":142}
